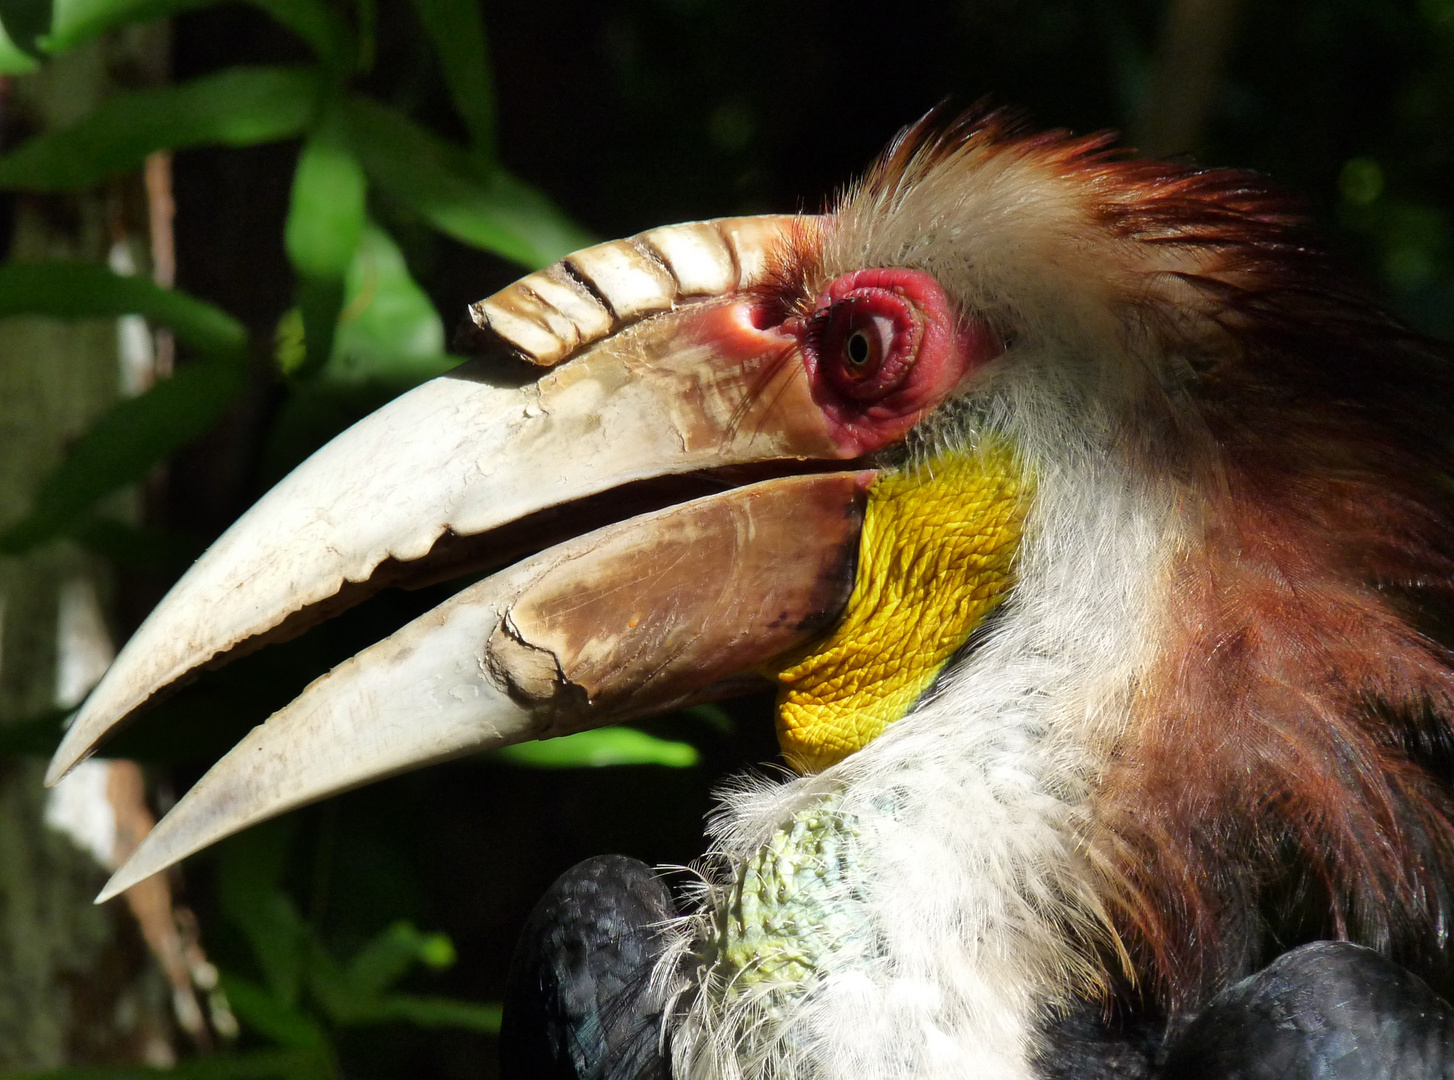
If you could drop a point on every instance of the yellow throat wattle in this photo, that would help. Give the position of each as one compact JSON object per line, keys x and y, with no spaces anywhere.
{"x":936,"y":556}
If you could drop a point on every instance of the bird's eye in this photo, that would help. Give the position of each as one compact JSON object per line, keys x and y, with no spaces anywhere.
{"x":881,"y":347}
{"x":867,"y":341}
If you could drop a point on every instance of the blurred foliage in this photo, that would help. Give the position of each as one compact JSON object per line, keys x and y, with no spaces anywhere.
{"x":360,"y":320}
{"x":298,"y":995}
{"x":342,"y":193}
{"x":391,"y":332}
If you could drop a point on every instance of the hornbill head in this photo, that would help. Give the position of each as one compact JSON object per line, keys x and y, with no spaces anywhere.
{"x":1080,"y":511}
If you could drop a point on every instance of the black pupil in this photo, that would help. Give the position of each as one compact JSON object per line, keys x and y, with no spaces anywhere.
{"x":858,"y":348}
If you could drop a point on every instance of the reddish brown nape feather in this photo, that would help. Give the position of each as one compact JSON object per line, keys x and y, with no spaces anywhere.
{"x":1287,"y":773}
{"x":1263,"y":791}
{"x":1279,"y":784}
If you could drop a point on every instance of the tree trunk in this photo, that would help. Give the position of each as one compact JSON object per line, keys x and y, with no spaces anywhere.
{"x":75,"y":985}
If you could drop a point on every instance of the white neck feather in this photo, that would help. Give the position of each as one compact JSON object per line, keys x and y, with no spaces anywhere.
{"x":982,"y":910}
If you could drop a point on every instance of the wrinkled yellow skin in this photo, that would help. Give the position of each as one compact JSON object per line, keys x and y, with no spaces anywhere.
{"x":936,"y":556}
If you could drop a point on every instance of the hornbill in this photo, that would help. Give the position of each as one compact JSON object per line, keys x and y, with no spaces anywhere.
{"x":1094,"y":530}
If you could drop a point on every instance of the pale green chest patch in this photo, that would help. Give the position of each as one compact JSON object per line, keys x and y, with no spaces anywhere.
{"x":792,"y":907}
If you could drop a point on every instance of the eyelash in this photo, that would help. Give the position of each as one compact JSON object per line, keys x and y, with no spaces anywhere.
{"x":815,"y":330}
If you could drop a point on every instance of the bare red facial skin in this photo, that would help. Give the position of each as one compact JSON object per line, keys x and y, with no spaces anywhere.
{"x":879,"y":350}
{"x":883,"y":347}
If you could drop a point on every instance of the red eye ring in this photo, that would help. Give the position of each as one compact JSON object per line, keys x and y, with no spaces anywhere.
{"x":866,"y":340}
{"x":881,"y":348}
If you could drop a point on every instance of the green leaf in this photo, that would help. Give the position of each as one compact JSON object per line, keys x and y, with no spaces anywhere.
{"x":351,"y":995}
{"x":431,"y":1012}
{"x":26,"y":21}
{"x":75,"y":290}
{"x":384,"y":960}
{"x":280,"y":942}
{"x":603,"y":746}
{"x":325,"y":223}
{"x":326,"y":213}
{"x":320,"y":300}
{"x":240,"y":106}
{"x":452,"y":191}
{"x":251,"y":864}
{"x":457,"y":30}
{"x":13,"y":59}
{"x":437,"y":951}
{"x":124,"y":444}
{"x":389,"y":330}
{"x":272,"y":1018}
{"x":290,"y":351}
{"x":317,"y":23}
{"x":75,"y":22}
